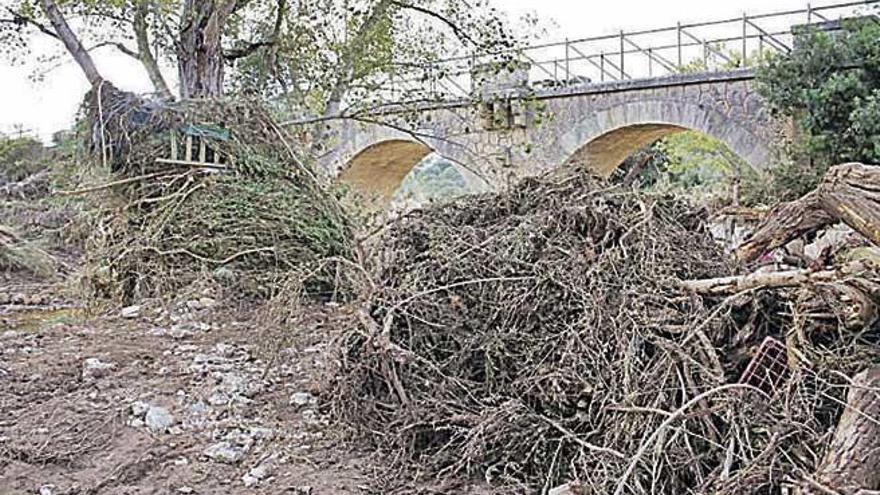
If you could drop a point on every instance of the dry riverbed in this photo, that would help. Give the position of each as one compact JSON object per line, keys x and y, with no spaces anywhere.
{"x":194,"y":398}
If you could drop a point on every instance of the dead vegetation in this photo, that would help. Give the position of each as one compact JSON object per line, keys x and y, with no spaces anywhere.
{"x":17,"y":254}
{"x":204,"y":190}
{"x":547,"y":336}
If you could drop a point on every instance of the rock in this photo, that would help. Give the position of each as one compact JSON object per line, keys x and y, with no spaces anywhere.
{"x":225,"y":350}
{"x":139,"y":408}
{"x":179,"y":331}
{"x":94,"y":368}
{"x":218,"y":399}
{"x":158,"y":419}
{"x":194,"y":304}
{"x":254,"y":476}
{"x":46,"y":489}
{"x":224,"y":274}
{"x":261,"y":433}
{"x":225,"y":452}
{"x":207,"y":302}
{"x":130,"y":312}
{"x":302,"y":399}
{"x":261,"y":471}
{"x":185,"y":489}
{"x":566,"y":489}
{"x":299,"y":490}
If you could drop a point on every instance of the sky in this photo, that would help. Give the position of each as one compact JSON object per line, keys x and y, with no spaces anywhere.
{"x":43,"y":106}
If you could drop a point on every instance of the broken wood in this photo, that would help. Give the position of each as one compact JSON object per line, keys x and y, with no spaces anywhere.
{"x":851,"y":465}
{"x":849,"y":193}
{"x":769,"y":280}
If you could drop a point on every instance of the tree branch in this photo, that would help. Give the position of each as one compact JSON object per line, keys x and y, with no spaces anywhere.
{"x":71,"y":42}
{"x":145,"y":54}
{"x":430,"y":13}
{"x":242,"y":52}
{"x":115,"y":44}
{"x":20,"y":19}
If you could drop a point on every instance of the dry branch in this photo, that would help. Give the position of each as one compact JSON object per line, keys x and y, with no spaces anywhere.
{"x":772,"y":280}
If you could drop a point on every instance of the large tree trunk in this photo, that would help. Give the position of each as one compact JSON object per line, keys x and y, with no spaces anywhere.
{"x":849,"y":193}
{"x":145,"y":52}
{"x":200,"y":59}
{"x":71,"y":42}
{"x":851,"y":465}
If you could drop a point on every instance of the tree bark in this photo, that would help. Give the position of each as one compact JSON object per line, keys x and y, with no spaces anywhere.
{"x":849,"y":193}
{"x":145,"y":52}
{"x":852,"y":463}
{"x":71,"y":42}
{"x":200,"y":53}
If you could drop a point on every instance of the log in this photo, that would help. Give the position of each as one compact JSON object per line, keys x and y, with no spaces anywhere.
{"x":849,"y":193}
{"x":772,"y":280}
{"x":851,"y":465}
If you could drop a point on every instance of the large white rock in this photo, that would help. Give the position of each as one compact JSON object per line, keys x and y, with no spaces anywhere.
{"x":225,"y":452}
{"x":130,"y":312}
{"x":158,"y":419}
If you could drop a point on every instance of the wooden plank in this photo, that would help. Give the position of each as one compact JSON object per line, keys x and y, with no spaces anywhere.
{"x":188,"y":154}
{"x":203,"y":151}
{"x":173,"y":145}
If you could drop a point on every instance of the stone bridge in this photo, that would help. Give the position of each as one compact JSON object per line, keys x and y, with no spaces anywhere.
{"x":495,"y":140}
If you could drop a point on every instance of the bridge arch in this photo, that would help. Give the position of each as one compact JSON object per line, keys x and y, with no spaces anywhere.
{"x":604,"y":139}
{"x":378,"y":170}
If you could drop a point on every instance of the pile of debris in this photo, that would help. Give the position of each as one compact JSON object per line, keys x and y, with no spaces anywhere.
{"x":576,"y":337}
{"x":17,"y":254}
{"x":204,"y":191}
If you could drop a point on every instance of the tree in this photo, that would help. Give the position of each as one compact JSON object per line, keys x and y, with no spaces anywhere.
{"x":335,"y":57}
{"x":830,"y":86}
{"x":316,"y":53}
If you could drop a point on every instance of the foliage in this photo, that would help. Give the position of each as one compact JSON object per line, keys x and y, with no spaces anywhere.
{"x":698,"y":159}
{"x":434,"y":179}
{"x":687,"y":161}
{"x":20,"y":157}
{"x":341,"y":56}
{"x":307,"y":55}
{"x":719,"y":58}
{"x":830,"y":86}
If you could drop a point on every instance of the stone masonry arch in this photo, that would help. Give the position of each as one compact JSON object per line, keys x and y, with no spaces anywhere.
{"x":604,"y":139}
{"x":378,"y":170}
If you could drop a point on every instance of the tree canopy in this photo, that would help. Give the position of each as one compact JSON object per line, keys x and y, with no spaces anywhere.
{"x":830,"y":86}
{"x":313,"y":54}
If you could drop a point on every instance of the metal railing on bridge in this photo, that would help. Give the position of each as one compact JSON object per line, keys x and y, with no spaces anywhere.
{"x":723,"y":44}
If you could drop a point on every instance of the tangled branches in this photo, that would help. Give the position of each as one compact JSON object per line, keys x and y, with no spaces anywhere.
{"x":540,"y":337}
{"x":204,"y":189}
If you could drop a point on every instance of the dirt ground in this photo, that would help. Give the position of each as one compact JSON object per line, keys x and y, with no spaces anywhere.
{"x":195,"y":398}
